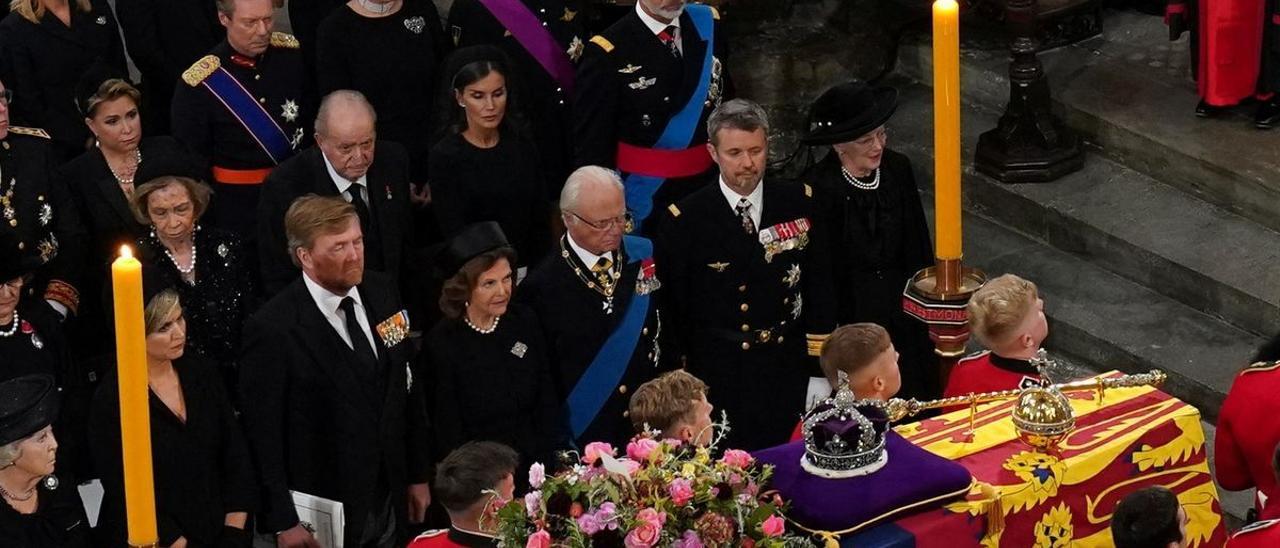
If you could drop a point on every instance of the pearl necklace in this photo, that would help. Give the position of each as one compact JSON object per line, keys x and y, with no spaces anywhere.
{"x":137,"y":156}
{"x":491,"y":329}
{"x":188,"y":270}
{"x":376,"y":8}
{"x":874,"y":184}
{"x":6,"y":494}
{"x":12,"y":329}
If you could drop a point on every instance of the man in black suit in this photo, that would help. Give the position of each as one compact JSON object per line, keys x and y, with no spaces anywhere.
{"x":634,"y":81}
{"x":164,"y":37}
{"x":748,"y":283}
{"x":594,"y":298}
{"x":330,"y":408}
{"x":349,"y":162}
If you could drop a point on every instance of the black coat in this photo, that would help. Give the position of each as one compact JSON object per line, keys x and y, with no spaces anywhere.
{"x":44,"y":217}
{"x":575,"y":326}
{"x":59,"y":520}
{"x":400,"y":82}
{"x":495,"y":387}
{"x":45,"y":61}
{"x":720,"y":292}
{"x":545,"y":105}
{"x":164,"y":37}
{"x":201,"y":465}
{"x":316,"y":423}
{"x":386,"y":244}
{"x":878,"y":240}
{"x":209,"y":129}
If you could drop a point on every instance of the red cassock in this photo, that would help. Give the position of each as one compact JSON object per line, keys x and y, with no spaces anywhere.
{"x":1264,"y":533}
{"x":436,"y":538}
{"x":1248,"y":432}
{"x":1230,"y":46}
{"x":987,"y":372}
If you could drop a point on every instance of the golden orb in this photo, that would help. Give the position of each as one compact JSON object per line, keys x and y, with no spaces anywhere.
{"x":1043,"y":417}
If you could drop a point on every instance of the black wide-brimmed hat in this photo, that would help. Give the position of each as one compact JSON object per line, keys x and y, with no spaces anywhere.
{"x":848,"y":111}
{"x":469,"y":243}
{"x":16,"y":258}
{"x":92,"y":79}
{"x":27,"y":404}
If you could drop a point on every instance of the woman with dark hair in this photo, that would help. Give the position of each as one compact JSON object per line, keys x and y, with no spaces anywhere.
{"x":485,"y":169}
{"x":208,"y":267}
{"x":37,"y":509}
{"x":871,"y":206}
{"x":47,"y":45}
{"x":204,"y":483}
{"x":487,"y":360}
{"x":399,"y":79}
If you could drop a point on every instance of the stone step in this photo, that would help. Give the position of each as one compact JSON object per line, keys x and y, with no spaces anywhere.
{"x":1099,"y":316}
{"x":1130,"y":93}
{"x":1124,"y":221}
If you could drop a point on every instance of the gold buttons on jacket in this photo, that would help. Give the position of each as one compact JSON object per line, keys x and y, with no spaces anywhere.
{"x":742,"y":289}
{"x":744,"y":307}
{"x":622,"y":389}
{"x":746,"y":346}
{"x":745,"y":328}
{"x":644,"y":331}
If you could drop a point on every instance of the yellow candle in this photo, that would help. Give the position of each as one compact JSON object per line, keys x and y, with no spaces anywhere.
{"x":946,"y":128}
{"x":135,"y":420}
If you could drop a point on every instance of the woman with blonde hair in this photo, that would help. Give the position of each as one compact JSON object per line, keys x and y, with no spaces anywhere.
{"x":45,"y":46}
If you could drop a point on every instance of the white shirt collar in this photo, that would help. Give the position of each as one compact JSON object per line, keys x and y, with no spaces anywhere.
{"x":327,"y":300}
{"x":655,"y":25}
{"x":756,"y":198}
{"x":588,"y":258}
{"x":342,"y":182}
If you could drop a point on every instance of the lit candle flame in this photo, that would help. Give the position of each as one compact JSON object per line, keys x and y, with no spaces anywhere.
{"x":126,"y":252}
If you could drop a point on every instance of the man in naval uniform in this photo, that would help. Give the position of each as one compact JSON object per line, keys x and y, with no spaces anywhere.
{"x":38,"y":211}
{"x":595,"y":299}
{"x":644,"y":90}
{"x":747,"y":294}
{"x":243,"y":108}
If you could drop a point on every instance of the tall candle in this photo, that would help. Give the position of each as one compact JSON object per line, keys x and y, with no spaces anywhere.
{"x":946,"y":128}
{"x":135,"y":420}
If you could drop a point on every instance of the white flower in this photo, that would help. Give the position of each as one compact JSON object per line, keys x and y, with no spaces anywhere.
{"x":533,"y":503}
{"x":537,"y":475}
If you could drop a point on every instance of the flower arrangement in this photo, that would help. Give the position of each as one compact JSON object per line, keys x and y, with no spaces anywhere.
{"x":660,"y":493}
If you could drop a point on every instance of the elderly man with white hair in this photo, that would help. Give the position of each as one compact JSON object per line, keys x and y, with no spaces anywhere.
{"x":594,"y":296}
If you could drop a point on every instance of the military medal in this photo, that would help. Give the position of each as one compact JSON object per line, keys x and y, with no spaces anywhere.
{"x":718,"y":266}
{"x":289,"y":110}
{"x":784,"y":237}
{"x":297,"y":138}
{"x":630,"y":68}
{"x":575,"y":49}
{"x":647,"y":282}
{"x":793,"y":276}
{"x":45,"y":215}
{"x":643,"y":83}
{"x":6,"y":201}
{"x":394,"y":329}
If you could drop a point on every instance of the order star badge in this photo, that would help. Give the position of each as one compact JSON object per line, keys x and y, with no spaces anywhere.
{"x":289,"y":111}
{"x":575,"y":49}
{"x":793,"y":276}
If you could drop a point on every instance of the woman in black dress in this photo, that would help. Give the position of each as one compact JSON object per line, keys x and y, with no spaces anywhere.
{"x":39,"y":510}
{"x":488,"y":365}
{"x":204,"y":484}
{"x":207,"y":267}
{"x":485,"y":169}
{"x":872,"y":210}
{"x":47,"y":45}
{"x":389,"y":50}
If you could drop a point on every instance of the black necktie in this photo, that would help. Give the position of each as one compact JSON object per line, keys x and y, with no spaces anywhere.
{"x":359,"y":343}
{"x":668,"y":37}
{"x":744,"y":213}
{"x":362,"y":208}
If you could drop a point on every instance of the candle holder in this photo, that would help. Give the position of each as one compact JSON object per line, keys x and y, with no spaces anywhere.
{"x":1029,"y":144}
{"x":937,"y":296}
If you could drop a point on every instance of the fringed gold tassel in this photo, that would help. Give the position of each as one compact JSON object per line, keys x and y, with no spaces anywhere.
{"x":829,"y":539}
{"x":995,"y":509}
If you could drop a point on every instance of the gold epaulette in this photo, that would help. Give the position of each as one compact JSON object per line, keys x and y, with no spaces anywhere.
{"x":808,"y":191}
{"x":1260,"y":367}
{"x":284,"y":40}
{"x":603,"y":42}
{"x":815,"y":342}
{"x":200,"y":70}
{"x":675,"y":211}
{"x":32,"y":131}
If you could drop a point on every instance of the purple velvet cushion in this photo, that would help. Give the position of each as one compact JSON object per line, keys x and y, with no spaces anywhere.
{"x":911,"y":477}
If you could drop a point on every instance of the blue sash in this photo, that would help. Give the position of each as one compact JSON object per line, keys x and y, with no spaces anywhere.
{"x":600,"y":379}
{"x":255,"y":119}
{"x":680,"y":128}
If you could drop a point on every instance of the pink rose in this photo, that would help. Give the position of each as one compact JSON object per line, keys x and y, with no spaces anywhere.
{"x":593,"y":451}
{"x":689,"y":540}
{"x":737,"y":457}
{"x":681,"y":491}
{"x":541,"y":539}
{"x":641,"y":449}
{"x":773,"y":526}
{"x":533,"y":503}
{"x":537,"y":475}
{"x":645,"y":535}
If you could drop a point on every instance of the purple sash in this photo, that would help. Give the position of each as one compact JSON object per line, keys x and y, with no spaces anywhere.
{"x":535,"y":38}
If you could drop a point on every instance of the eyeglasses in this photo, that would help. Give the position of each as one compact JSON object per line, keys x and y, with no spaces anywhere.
{"x":879,"y":134}
{"x":6,"y":97}
{"x":14,"y":284}
{"x":626,"y":221}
